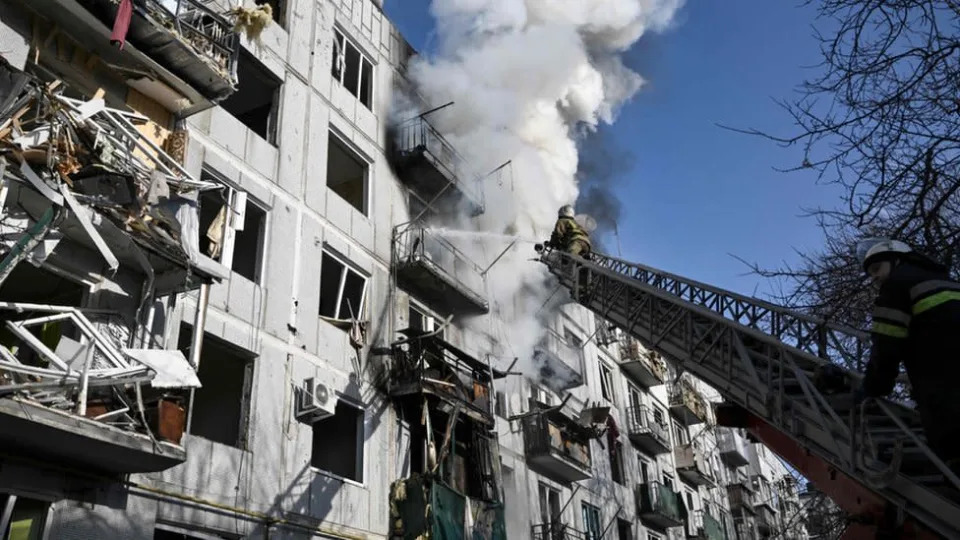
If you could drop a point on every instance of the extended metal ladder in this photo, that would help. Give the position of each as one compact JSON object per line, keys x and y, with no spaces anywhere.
{"x":762,"y":359}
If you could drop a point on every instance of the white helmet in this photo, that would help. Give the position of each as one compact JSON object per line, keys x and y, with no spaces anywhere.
{"x":566,"y":211}
{"x":874,"y":250}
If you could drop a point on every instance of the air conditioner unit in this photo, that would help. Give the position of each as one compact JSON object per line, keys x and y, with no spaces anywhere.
{"x":315,"y":401}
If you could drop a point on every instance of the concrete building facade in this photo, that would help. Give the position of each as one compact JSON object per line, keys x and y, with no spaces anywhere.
{"x":303,"y":271}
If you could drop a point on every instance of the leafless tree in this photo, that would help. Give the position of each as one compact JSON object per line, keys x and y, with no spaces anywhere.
{"x":881,"y":120}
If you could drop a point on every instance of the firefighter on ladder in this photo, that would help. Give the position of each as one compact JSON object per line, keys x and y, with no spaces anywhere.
{"x":569,"y":236}
{"x":916,"y":318}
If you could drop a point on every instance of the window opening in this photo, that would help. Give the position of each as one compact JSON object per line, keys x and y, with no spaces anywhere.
{"x":255,"y":103}
{"x":342,"y":289}
{"x":347,"y":174}
{"x":606,"y":382}
{"x":352,"y":69}
{"x":338,"y":442}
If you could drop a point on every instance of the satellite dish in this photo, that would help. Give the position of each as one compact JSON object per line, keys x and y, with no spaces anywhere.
{"x":588,"y":223}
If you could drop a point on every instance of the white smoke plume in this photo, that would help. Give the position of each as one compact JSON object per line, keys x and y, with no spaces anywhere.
{"x":528,"y":76}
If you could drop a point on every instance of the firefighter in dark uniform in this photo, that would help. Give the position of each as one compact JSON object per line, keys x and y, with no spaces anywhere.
{"x":569,"y":236}
{"x":916,"y":320}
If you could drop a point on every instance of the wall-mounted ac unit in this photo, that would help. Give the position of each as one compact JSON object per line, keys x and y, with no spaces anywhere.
{"x":315,"y":401}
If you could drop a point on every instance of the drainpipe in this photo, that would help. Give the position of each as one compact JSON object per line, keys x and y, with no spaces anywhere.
{"x":196,"y":343}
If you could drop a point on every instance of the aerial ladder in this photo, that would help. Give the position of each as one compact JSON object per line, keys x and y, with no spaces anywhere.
{"x":870,"y":458}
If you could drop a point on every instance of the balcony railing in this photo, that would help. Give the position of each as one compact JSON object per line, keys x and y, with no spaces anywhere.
{"x":432,"y":166}
{"x":741,"y":498}
{"x":692,"y":465}
{"x":687,"y":404}
{"x":646,"y":367}
{"x":746,"y":527}
{"x":733,"y":448}
{"x":660,"y":505}
{"x":703,"y":526}
{"x":765,"y":496}
{"x":557,"y":531}
{"x":439,"y":273}
{"x":766,"y":521}
{"x":192,"y":48}
{"x":557,"y":447}
{"x":646,"y":432}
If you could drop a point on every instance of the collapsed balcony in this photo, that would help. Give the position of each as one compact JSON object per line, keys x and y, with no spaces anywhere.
{"x":433,"y":168}
{"x":82,"y":172}
{"x":733,"y":448}
{"x":425,"y":364}
{"x":646,"y":431}
{"x":434,"y":270}
{"x":646,"y":367}
{"x":179,"y":52}
{"x":70,"y":393}
{"x":660,"y":506}
{"x":557,"y":445}
{"x":692,"y":465}
{"x":687,"y":404}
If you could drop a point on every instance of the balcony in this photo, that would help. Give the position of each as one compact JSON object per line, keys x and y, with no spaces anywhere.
{"x":765,"y":497}
{"x":733,"y":448}
{"x":746,"y":527}
{"x":766,"y":522}
{"x":646,"y":367}
{"x":429,"y":366}
{"x":178,"y":52}
{"x":557,"y":531}
{"x":433,"y":168}
{"x":559,"y":364}
{"x":435,"y":271}
{"x":741,"y":498}
{"x":660,"y":506}
{"x":557,"y":446}
{"x":692,"y":466}
{"x":703,"y":526}
{"x":65,"y":394}
{"x":687,"y":404}
{"x":646,"y":432}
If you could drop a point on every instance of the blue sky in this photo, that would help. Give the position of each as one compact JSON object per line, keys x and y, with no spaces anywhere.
{"x":695,"y":194}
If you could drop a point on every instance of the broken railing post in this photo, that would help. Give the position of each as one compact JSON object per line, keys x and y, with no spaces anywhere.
{"x":27,"y":242}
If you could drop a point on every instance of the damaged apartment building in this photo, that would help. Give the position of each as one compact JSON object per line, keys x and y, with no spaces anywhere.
{"x":223,"y":316}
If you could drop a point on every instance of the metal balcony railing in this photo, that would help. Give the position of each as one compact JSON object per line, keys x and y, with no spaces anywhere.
{"x":557,"y":531}
{"x":417,"y":136}
{"x":647,"y":367}
{"x":642,"y":425}
{"x":703,"y":525}
{"x":692,"y":464}
{"x":660,"y":505}
{"x":545,"y":437}
{"x":423,"y":249}
{"x":209,"y":33}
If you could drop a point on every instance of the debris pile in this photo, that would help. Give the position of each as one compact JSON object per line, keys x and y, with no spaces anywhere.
{"x":85,"y":156}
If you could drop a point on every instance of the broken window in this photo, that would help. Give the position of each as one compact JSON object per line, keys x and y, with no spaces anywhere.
{"x":591,"y":521}
{"x":29,"y":284}
{"x":255,"y":101}
{"x":422,"y":321}
{"x":352,"y":69}
{"x":500,"y":406}
{"x":616,"y":463}
{"x":221,"y":407}
{"x":232,"y":229}
{"x":22,"y":517}
{"x":606,"y":382}
{"x":341,"y":289}
{"x":549,"y":504}
{"x":338,"y":442}
{"x":680,"y":433}
{"x":624,"y":530}
{"x":278,"y":7}
{"x":347,"y":173}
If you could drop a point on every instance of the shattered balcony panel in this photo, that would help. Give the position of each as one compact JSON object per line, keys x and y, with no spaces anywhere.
{"x":646,"y":432}
{"x":435,"y":271}
{"x":687,"y":404}
{"x":71,"y":392}
{"x":433,"y":168}
{"x":191,"y":49}
{"x":692,"y":465}
{"x":85,"y":172}
{"x":557,"y":446}
{"x":426,"y":364}
{"x":660,"y":506}
{"x":559,"y":364}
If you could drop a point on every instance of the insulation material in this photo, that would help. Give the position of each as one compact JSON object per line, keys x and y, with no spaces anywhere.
{"x":171,"y":367}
